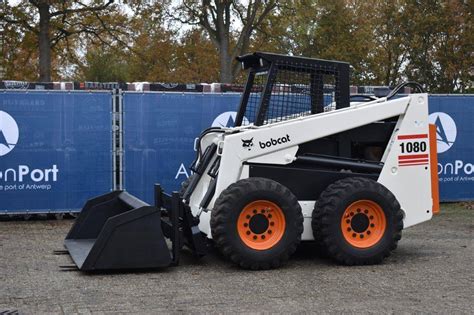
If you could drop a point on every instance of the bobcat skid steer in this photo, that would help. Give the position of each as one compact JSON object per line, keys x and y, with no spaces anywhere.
{"x":302,"y":163}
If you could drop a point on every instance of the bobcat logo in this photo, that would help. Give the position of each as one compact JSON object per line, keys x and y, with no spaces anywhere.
{"x":247,"y":144}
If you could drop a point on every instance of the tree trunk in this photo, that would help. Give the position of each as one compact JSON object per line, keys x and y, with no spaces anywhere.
{"x":223,"y":38}
{"x":44,"y":43}
{"x":225,"y":63}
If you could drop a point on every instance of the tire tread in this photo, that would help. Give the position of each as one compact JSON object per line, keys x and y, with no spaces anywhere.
{"x":325,"y":232}
{"x":221,"y":214}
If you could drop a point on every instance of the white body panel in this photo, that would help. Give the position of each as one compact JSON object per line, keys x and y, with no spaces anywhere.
{"x":411,"y":184}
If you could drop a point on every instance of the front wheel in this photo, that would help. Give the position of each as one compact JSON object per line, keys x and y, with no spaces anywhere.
{"x":257,"y":223}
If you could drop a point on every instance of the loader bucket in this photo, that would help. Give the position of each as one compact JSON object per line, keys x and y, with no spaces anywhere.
{"x":118,"y":231}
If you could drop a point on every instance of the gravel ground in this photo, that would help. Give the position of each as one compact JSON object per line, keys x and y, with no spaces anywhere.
{"x":430,"y":272}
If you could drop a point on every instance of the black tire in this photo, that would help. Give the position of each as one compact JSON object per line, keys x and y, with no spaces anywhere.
{"x":316,"y":226}
{"x":320,"y":247}
{"x":328,"y":226}
{"x":235,"y":200}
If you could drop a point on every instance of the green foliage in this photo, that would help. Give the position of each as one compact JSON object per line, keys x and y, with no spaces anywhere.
{"x":386,"y":41}
{"x":335,"y":30}
{"x":441,"y":44}
{"x":17,"y":52}
{"x":196,"y":59}
{"x":103,"y":65}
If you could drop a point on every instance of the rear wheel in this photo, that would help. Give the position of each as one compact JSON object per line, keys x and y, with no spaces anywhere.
{"x":257,"y":223}
{"x":358,"y":220}
{"x":320,"y":247}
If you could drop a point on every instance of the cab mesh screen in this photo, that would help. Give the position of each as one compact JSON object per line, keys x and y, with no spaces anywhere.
{"x":292,"y":91}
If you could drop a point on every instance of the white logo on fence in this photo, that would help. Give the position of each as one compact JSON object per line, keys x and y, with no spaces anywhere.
{"x":446,"y":130}
{"x":227,"y":119}
{"x":9,"y":133}
{"x":169,"y":85}
{"x":20,"y":85}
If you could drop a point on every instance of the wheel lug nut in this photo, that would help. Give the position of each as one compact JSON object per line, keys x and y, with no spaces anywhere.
{"x":368,"y":232}
{"x":358,"y":210}
{"x":263,"y":237}
{"x":269,"y":216}
{"x":371,"y":217}
{"x":352,"y":214}
{"x":248,"y":216}
{"x":246,"y":224}
{"x":262,"y":211}
{"x":248,"y":232}
{"x":255,"y":237}
{"x":255,"y":211}
{"x":361,"y":235}
{"x":349,"y":229}
{"x":269,"y":231}
{"x":372,"y":225}
{"x":348,"y":221}
{"x":354,"y":235}
{"x":272,"y":223}
{"x":366,"y":211}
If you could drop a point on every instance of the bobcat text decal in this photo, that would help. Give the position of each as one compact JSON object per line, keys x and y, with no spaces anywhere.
{"x":272,"y":142}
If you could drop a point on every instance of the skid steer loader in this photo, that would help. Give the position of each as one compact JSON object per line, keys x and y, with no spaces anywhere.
{"x":303,"y":163}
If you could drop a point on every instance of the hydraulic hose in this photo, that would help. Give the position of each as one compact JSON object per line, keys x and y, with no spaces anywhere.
{"x":399,"y":87}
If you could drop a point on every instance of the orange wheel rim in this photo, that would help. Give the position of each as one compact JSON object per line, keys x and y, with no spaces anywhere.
{"x":363,"y":223}
{"x":261,"y":224}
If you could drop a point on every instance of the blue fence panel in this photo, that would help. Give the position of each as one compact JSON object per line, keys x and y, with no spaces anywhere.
{"x":160,"y":129}
{"x":55,"y":149}
{"x":453,"y":116}
{"x":159,"y":133}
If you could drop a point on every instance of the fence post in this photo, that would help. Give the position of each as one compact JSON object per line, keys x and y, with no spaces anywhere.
{"x":117,"y":139}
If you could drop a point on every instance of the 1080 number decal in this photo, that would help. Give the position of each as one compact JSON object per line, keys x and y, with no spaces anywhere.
{"x":410,"y":147}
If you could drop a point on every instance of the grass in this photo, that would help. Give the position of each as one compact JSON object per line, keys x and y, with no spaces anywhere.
{"x":464,"y":209}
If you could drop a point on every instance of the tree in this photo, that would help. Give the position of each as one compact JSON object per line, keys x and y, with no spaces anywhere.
{"x":440,"y":39}
{"x":273,"y":34}
{"x":455,"y":51}
{"x":196,"y":58}
{"x":328,"y":29}
{"x":55,"y":21}
{"x":197,"y":40}
{"x":151,"y":44}
{"x":229,"y":24}
{"x":103,"y":64}
{"x":17,"y":51}
{"x":153,"y":52}
{"x":391,"y":37}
